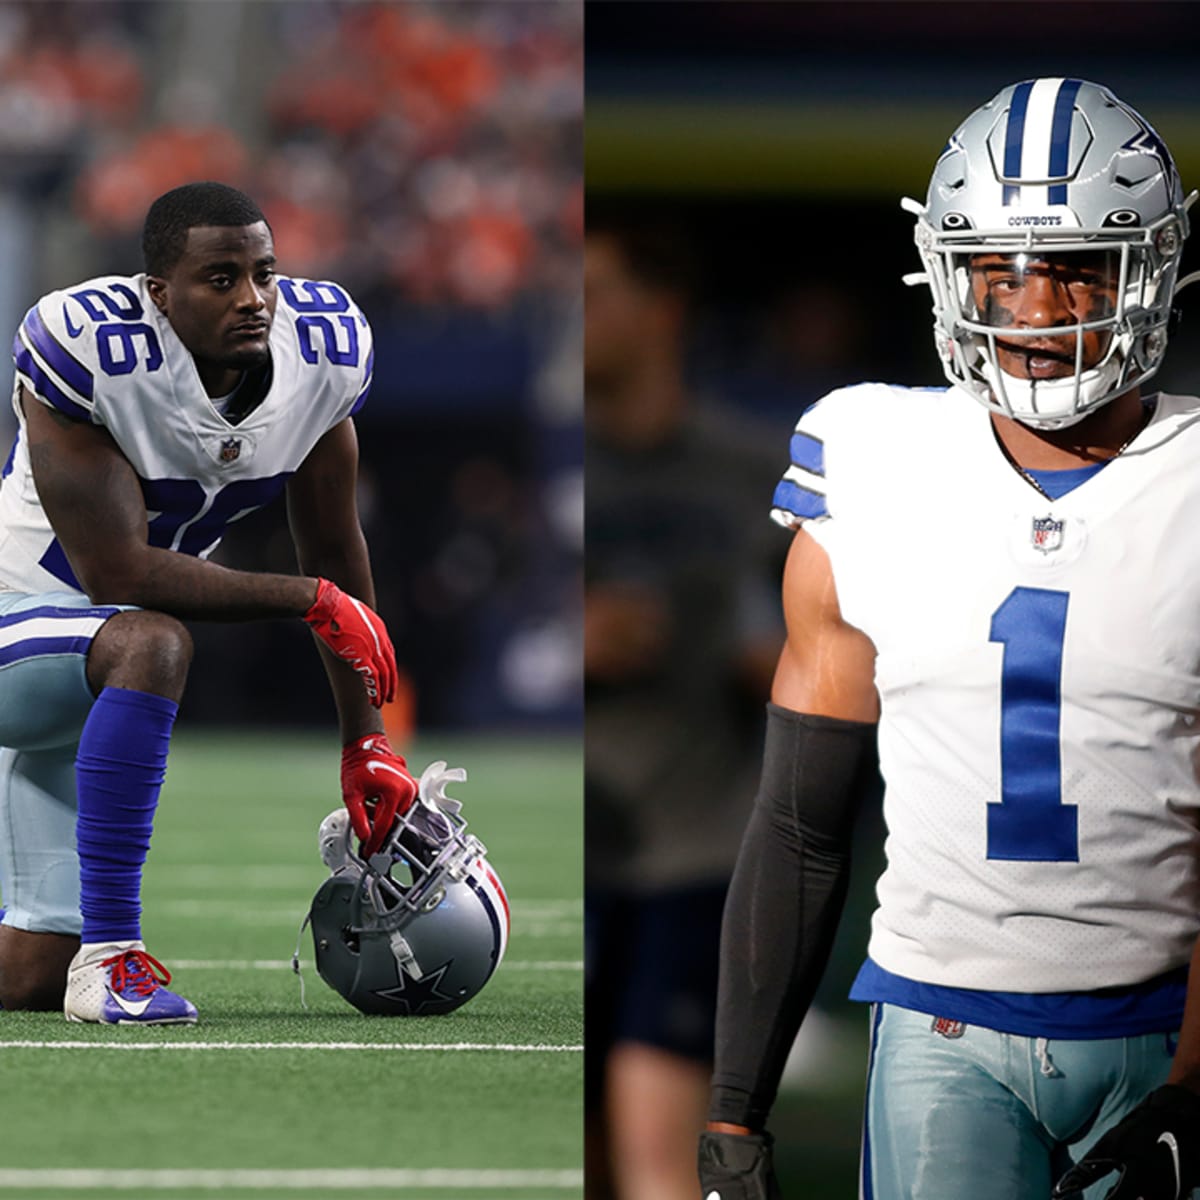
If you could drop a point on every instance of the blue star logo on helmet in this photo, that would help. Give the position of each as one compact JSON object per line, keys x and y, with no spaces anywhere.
{"x":1148,"y":142}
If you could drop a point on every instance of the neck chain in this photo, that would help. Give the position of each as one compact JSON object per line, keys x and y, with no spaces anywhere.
{"x":1148,"y":405}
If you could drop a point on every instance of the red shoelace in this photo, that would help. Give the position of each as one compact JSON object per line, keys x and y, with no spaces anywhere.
{"x":137,"y":972}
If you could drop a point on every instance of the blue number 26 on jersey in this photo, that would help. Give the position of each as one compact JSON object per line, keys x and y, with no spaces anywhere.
{"x":1031,"y":823}
{"x":324,"y":311}
{"x":326,"y":326}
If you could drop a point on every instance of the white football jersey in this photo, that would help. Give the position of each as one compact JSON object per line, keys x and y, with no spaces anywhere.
{"x":102,"y":352}
{"x":1039,"y":676}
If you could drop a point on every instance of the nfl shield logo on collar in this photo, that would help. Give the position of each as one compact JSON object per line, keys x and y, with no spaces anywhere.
{"x":1047,"y":534}
{"x":230,"y":449}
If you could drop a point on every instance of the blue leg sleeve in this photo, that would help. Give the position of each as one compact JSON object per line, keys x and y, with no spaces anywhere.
{"x":119,"y":770}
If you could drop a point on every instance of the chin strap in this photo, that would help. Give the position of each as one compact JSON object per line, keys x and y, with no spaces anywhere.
{"x":405,"y":958}
{"x":296,"y":958}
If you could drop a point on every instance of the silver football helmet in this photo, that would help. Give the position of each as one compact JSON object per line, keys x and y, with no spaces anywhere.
{"x":1054,"y":170}
{"x":420,"y":927}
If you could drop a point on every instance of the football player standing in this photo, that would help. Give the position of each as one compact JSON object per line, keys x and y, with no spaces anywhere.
{"x":154,"y":410}
{"x":1005,"y":595}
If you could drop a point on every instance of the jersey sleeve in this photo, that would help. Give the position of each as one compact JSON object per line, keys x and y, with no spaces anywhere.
{"x":55,"y":356}
{"x":838,"y":448}
{"x":367,"y":348}
{"x":334,"y":340}
{"x":803,"y":492}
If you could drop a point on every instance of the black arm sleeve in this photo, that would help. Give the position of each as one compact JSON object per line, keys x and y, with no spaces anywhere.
{"x":784,"y":901}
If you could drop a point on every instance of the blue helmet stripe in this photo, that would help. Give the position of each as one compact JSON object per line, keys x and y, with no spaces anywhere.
{"x":1060,"y":139}
{"x":1014,"y":138}
{"x":493,"y":920}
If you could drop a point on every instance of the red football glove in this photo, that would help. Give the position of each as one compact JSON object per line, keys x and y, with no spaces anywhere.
{"x":357,"y":636}
{"x":374,"y":775}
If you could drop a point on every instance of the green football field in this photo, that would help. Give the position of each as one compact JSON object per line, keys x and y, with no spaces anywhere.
{"x":265,"y":1098}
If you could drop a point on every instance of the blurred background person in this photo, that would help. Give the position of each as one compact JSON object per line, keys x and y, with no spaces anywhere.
{"x":777,"y":139}
{"x":426,"y":155}
{"x":681,"y":637}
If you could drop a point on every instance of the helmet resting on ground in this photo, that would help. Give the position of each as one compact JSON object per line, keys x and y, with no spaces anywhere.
{"x":420,"y":927}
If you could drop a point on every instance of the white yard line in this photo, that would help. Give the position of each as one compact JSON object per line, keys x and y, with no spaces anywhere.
{"x":289,"y":916}
{"x":531,"y":911}
{"x":275,"y":964}
{"x":500,"y":1047}
{"x":341,"y":1179}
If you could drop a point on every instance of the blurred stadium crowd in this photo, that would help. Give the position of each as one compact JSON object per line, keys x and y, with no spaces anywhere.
{"x":428,"y":156}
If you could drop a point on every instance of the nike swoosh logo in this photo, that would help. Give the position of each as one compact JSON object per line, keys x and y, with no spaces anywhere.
{"x":133,"y":1008}
{"x":1168,"y":1140}
{"x":372,"y":767}
{"x":358,"y":608}
{"x":72,"y":330}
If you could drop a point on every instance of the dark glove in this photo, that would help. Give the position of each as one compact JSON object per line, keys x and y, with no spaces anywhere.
{"x":1156,"y":1149}
{"x":737,"y":1166}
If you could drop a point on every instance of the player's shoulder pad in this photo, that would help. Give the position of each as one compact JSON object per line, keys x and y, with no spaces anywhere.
{"x":313,"y":297}
{"x":75,"y":337}
{"x":842,"y":417}
{"x":333,"y":331}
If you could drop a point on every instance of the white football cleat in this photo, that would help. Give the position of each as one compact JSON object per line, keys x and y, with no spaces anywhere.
{"x":118,"y":983}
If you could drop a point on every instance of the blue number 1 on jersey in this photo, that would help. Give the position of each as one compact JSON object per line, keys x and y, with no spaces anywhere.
{"x":1031,"y":823}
